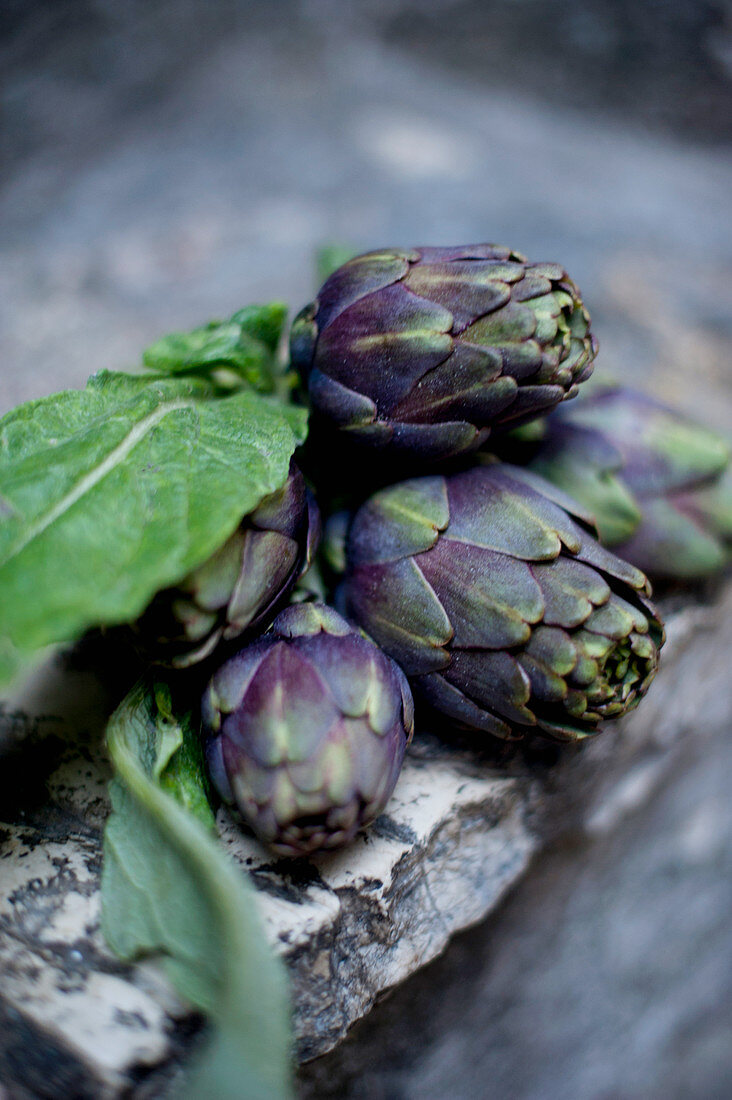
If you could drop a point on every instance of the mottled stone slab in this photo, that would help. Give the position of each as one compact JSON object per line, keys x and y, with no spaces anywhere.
{"x":357,"y":922}
{"x":461,"y":828}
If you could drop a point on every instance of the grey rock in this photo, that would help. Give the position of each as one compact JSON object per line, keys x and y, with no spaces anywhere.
{"x":461,"y":828}
{"x":606,"y":972}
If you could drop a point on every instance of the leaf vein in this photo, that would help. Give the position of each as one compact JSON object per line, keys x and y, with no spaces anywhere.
{"x":91,"y":479}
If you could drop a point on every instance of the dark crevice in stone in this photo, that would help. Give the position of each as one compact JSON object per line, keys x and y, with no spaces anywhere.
{"x":36,"y":1063}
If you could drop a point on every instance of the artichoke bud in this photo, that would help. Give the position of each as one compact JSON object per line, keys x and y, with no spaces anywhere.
{"x":423,"y":351}
{"x":308,"y":727}
{"x":242,"y":585}
{"x":658,"y":484}
{"x":505,"y":613}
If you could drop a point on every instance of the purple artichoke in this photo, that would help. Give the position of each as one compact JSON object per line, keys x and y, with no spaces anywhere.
{"x":308,"y":729}
{"x":658,"y":485}
{"x":502,"y":609}
{"x":422,"y":351}
{"x":241,"y":586}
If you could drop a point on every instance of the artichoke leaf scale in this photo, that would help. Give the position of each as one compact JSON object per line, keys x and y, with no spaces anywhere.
{"x":554,"y":648}
{"x":340,"y":661}
{"x":531,"y":400}
{"x":227,"y":691}
{"x":546,"y":684}
{"x":596,"y":646}
{"x":550,"y":328}
{"x":520,"y":361}
{"x":467,"y":289}
{"x":392,"y":327}
{"x":511,"y":324}
{"x":381,"y":701}
{"x":213,"y":582}
{"x":435,"y":441}
{"x":575,"y":703}
{"x":434,"y":399}
{"x":490,"y":599}
{"x":495,"y":680}
{"x":365,"y":758}
{"x":571,"y":591}
{"x":468,"y":383}
{"x":562,"y":729}
{"x":363,"y":275}
{"x":498,"y":520}
{"x":285,"y":710}
{"x":585,"y":672}
{"x":400,"y":610}
{"x":552,"y":271}
{"x":642,"y":646}
{"x":342,"y":405}
{"x":450,"y":700}
{"x":666,"y":535}
{"x":549,"y":491}
{"x":268,"y":559}
{"x":399,"y":521}
{"x":362,"y":686}
{"x":532,"y":286}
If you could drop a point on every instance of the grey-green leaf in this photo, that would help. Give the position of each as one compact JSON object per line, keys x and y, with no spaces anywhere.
{"x":170,"y":891}
{"x":111,"y":493}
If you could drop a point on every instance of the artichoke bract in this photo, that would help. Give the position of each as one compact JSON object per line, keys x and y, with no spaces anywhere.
{"x":505,"y":613}
{"x":422,"y":351}
{"x":308,"y":729}
{"x":241,"y":586}
{"x":658,"y":485}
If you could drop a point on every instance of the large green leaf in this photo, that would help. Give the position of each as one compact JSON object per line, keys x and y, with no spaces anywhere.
{"x":111,"y":493}
{"x":170,"y":891}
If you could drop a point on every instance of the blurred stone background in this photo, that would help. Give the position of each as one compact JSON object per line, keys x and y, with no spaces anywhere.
{"x":166,"y":161}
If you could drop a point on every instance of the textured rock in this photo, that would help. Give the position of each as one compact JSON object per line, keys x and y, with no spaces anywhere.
{"x":460,"y":829}
{"x":607,"y":971}
{"x":356,"y":923}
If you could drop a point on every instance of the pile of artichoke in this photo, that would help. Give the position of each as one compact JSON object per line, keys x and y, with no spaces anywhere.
{"x":498,"y":572}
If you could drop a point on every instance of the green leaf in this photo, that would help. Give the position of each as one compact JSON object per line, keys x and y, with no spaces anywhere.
{"x":329,"y":257}
{"x":179,"y":767}
{"x":170,"y":891}
{"x":110,"y":493}
{"x":265,"y":323}
{"x":169,"y":731}
{"x":246,"y":344}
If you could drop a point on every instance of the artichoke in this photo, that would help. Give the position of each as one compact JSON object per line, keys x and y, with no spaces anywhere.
{"x":422,"y":351}
{"x":658,"y":485}
{"x":308,"y":729}
{"x":505,"y":613}
{"x":242,"y":585}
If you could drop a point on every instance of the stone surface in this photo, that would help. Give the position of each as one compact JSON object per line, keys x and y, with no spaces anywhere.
{"x":606,"y":972}
{"x":460,"y":829}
